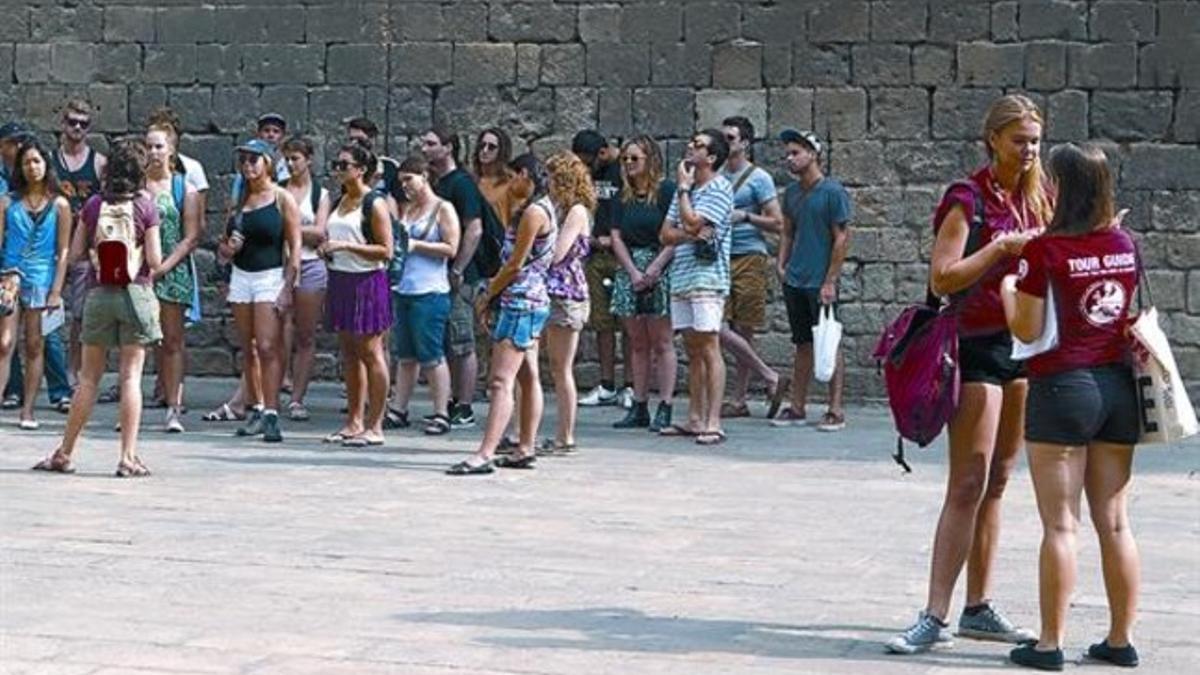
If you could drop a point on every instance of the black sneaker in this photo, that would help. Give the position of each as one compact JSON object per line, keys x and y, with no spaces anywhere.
{"x":1126,"y":656}
{"x":253,"y":425}
{"x":662,"y":417}
{"x":462,"y":417}
{"x":637,"y":417}
{"x":1030,"y":657}
{"x":270,"y":429}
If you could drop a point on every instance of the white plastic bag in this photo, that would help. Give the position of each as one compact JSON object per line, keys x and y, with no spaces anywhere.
{"x":1166,"y":412}
{"x":827,"y":335}
{"x":1046,"y":341}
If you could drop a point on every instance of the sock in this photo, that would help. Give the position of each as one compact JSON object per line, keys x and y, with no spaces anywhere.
{"x":271,"y":412}
{"x":608,"y":384}
{"x":972,"y":610}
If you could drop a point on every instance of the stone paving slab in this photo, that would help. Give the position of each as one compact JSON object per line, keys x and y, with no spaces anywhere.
{"x":781,"y":551}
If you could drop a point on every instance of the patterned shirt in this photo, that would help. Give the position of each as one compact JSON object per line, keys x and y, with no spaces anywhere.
{"x":528,"y":290}
{"x":713,"y":202}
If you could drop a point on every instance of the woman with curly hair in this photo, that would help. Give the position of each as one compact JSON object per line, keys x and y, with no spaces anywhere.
{"x":641,"y":287}
{"x":35,"y":226}
{"x":574,"y":198}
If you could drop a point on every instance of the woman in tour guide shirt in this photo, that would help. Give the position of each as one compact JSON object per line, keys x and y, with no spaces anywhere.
{"x":971,"y":254}
{"x":1082,"y":412}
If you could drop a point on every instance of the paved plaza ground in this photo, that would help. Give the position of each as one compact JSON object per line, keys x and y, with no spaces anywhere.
{"x":783,"y":551}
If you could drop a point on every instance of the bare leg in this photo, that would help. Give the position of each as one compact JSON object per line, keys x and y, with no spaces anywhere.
{"x":355,"y":385}
{"x":406,"y":382}
{"x":8,"y":342}
{"x":439,"y":384}
{"x":91,"y":370}
{"x":75,"y":350}
{"x":802,"y":372}
{"x":697,"y":406}
{"x":532,"y":402}
{"x":267,"y":330}
{"x":662,"y":341}
{"x":638,"y":338}
{"x":1057,"y":472}
{"x":35,"y":359}
{"x":287,"y":339}
{"x":562,"y":342}
{"x":170,"y":362}
{"x":837,"y":385}
{"x":307,"y":316}
{"x":374,"y":364}
{"x":464,"y":371}
{"x":1107,"y":484}
{"x":243,"y":320}
{"x":739,"y":340}
{"x":606,"y":348}
{"x":133,"y":358}
{"x":710,"y":347}
{"x":505,"y":361}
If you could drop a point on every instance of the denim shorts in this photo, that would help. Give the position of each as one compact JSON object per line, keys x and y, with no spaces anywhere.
{"x":520,"y":327}
{"x":1083,"y":405}
{"x":419,"y":328}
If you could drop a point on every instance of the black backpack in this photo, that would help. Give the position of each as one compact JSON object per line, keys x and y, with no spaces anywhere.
{"x":399,"y":234}
{"x":491,"y":243}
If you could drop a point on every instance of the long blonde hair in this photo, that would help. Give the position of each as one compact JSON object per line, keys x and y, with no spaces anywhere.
{"x":644,"y":187}
{"x":1008,"y":110}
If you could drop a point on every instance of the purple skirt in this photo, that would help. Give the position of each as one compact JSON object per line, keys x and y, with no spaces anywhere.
{"x":359,"y":302}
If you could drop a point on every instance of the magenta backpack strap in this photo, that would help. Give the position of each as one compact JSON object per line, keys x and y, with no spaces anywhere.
{"x":974,"y":236}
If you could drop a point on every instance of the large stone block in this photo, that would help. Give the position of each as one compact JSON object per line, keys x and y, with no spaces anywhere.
{"x":183,"y":25}
{"x":651,"y":22}
{"x":528,"y":22}
{"x":821,"y":65}
{"x":169,"y":64}
{"x":143,"y":98}
{"x":788,"y":108}
{"x":932,"y":65}
{"x":111,"y":105}
{"x":714,"y":105}
{"x":410,"y":110}
{"x":484,"y":63}
{"x":986,"y":64}
{"x":466,"y":21}
{"x":924,"y":162}
{"x":235,"y":108}
{"x":1170,"y":62}
{"x":575,"y":108}
{"x":7,"y":56}
{"x":356,"y":64}
{"x":1170,"y":289}
{"x":84,"y":23}
{"x":1187,"y":116}
{"x":663,"y":111}
{"x":283,"y":63}
{"x":289,"y":100}
{"x":711,"y":21}
{"x":421,"y":63}
{"x":1162,"y":167}
{"x":119,"y":63}
{"x":614,"y":111}
{"x":783,"y":23}
{"x":15,"y":27}
{"x":840,"y":114}
{"x":31,"y":63}
{"x":618,"y":65}
{"x":1122,"y":21}
{"x":215,"y":153}
{"x":1111,"y":66}
{"x":563,"y":64}
{"x":422,"y":22}
{"x":529,"y":65}
{"x":777,"y":64}
{"x":954,"y":21}
{"x":1183,"y":251}
{"x":737,"y":65}
{"x":600,"y":23}
{"x":881,"y":64}
{"x":258,"y":25}
{"x":843,"y":21}
{"x":1061,"y":19}
{"x":857,"y":163}
{"x":129,"y":24}
{"x":899,"y":113}
{"x":877,"y":206}
{"x":219,"y":64}
{"x":193,"y":105}
{"x":1005,"y":26}
{"x":329,"y":107}
{"x":1046,"y":65}
{"x":525,"y":114}
{"x":958,"y":113}
{"x":1193,"y":293}
{"x":879,"y":283}
{"x":1179,"y":21}
{"x":899,"y":20}
{"x":1175,"y":211}
{"x":681,"y":63}
{"x":1131,"y":116}
{"x":334,"y":23}
{"x":1067,"y":116}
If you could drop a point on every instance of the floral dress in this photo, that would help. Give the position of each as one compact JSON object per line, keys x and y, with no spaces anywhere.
{"x":176,"y":285}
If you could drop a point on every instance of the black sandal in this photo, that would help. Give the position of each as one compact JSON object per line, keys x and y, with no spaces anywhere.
{"x":394,"y":419}
{"x":464,"y":468}
{"x":437,"y":425}
{"x":515,"y":462}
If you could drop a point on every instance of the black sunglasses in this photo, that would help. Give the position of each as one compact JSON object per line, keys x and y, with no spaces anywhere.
{"x":342,"y":165}
{"x":489,"y":146}
{"x":78,"y":123}
{"x":247,"y":158}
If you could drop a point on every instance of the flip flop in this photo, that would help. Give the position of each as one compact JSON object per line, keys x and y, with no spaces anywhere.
{"x":361,"y":442}
{"x":335,"y":437}
{"x":677,"y":430}
{"x":710,"y":438}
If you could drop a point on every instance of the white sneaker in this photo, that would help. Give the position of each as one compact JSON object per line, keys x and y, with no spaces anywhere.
{"x":601,"y":395}
{"x":173,"y":424}
{"x":625,"y":397}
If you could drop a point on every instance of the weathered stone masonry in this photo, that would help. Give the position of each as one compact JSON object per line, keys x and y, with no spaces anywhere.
{"x":896,"y":86}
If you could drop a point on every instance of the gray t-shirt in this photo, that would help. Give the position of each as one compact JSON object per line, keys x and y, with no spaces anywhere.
{"x":755,"y":192}
{"x":814,"y":214}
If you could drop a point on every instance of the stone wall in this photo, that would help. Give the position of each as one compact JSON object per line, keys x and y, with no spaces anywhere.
{"x":897,"y":87}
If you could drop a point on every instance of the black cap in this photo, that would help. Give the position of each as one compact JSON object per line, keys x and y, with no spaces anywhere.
{"x":15,"y":130}
{"x":588,"y":142}
{"x":272,"y":118}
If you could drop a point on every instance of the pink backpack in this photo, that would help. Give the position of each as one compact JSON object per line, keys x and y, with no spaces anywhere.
{"x":918,"y":352}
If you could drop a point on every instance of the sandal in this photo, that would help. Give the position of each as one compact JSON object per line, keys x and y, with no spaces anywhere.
{"x":553,"y":448}
{"x":438,"y":425}
{"x":110,"y":395}
{"x":506,"y":445}
{"x":465,"y":468}
{"x":731,"y":410}
{"x":677,"y":430}
{"x":516,"y":462}
{"x":223,"y":413}
{"x":55,"y":463}
{"x":297,"y":412}
{"x":29,"y":425}
{"x":361,"y":442}
{"x":135,"y":470}
{"x":710,"y":438}
{"x":337,"y":437}
{"x":62,"y":405}
{"x":782,"y":386}
{"x":395,"y":419}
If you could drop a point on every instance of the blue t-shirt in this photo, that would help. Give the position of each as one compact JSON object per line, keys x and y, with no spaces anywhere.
{"x":713,"y":202}
{"x":755,"y":192}
{"x":3,"y":180}
{"x":31,"y":243}
{"x":814,"y":214}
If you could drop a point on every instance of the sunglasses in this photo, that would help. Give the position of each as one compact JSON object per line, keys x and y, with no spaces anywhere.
{"x":342,"y":165}
{"x":732,"y":138}
{"x":698,"y":144}
{"x":632,"y":159}
{"x":78,"y":123}
{"x":247,"y":158}
{"x":489,"y":146}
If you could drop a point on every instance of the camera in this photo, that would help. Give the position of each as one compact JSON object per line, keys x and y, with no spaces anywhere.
{"x":706,"y":250}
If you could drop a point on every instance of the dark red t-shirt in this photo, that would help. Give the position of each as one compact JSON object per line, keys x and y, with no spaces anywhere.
{"x":1093,"y":277}
{"x":980,"y":311}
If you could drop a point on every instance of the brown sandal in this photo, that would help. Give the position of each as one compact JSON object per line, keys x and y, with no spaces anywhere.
{"x":55,"y":463}
{"x":135,"y":470}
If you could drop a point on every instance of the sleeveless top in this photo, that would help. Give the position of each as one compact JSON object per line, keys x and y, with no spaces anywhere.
{"x":263,"y":230}
{"x":566,"y":279}
{"x":527,"y":291}
{"x":424,"y":273}
{"x":31,"y":243}
{"x":349,"y":227}
{"x":80,"y":184}
{"x":176,"y":285}
{"x":307,"y":218}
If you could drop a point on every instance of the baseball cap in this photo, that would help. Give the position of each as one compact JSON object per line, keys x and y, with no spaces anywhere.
{"x":806,"y":137}
{"x":588,"y":142}
{"x":257,"y":147}
{"x":272,"y":118}
{"x":12,"y":130}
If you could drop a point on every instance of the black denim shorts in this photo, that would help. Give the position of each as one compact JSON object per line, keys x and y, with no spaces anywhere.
{"x":988,"y":359}
{"x":1083,"y":405}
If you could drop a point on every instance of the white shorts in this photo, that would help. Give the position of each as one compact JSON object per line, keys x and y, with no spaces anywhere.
{"x":249,"y":287}
{"x":700,"y":312}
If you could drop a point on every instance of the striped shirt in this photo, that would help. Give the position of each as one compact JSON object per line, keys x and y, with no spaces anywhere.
{"x":713,"y":202}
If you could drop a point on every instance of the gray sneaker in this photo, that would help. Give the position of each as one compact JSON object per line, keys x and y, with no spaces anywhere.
{"x":253,"y":425}
{"x":989,"y":624}
{"x":926,"y":634}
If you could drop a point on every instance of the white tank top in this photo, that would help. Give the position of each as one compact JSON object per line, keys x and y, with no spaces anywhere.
{"x":307,"y":218}
{"x":348,"y":227}
{"x":424,"y":273}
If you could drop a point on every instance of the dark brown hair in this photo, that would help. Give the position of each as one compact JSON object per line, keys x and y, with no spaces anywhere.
{"x":20,"y":184}
{"x":503,"y":155}
{"x":126,"y":170}
{"x":1085,"y":189}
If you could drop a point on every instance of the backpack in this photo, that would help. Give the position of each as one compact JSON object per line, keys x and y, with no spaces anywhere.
{"x":116,"y":255}
{"x":491,"y":242}
{"x":395,"y":266}
{"x":314,"y":195}
{"x":918,"y":352}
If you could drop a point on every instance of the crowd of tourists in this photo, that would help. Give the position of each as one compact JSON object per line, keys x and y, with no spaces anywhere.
{"x":409,"y":260}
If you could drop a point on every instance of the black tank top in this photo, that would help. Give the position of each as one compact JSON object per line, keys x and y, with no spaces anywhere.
{"x":78,"y":185}
{"x":263,"y":248}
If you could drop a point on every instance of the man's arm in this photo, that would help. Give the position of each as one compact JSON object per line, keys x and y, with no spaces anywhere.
{"x":786,"y":235}
{"x":841,"y":244}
